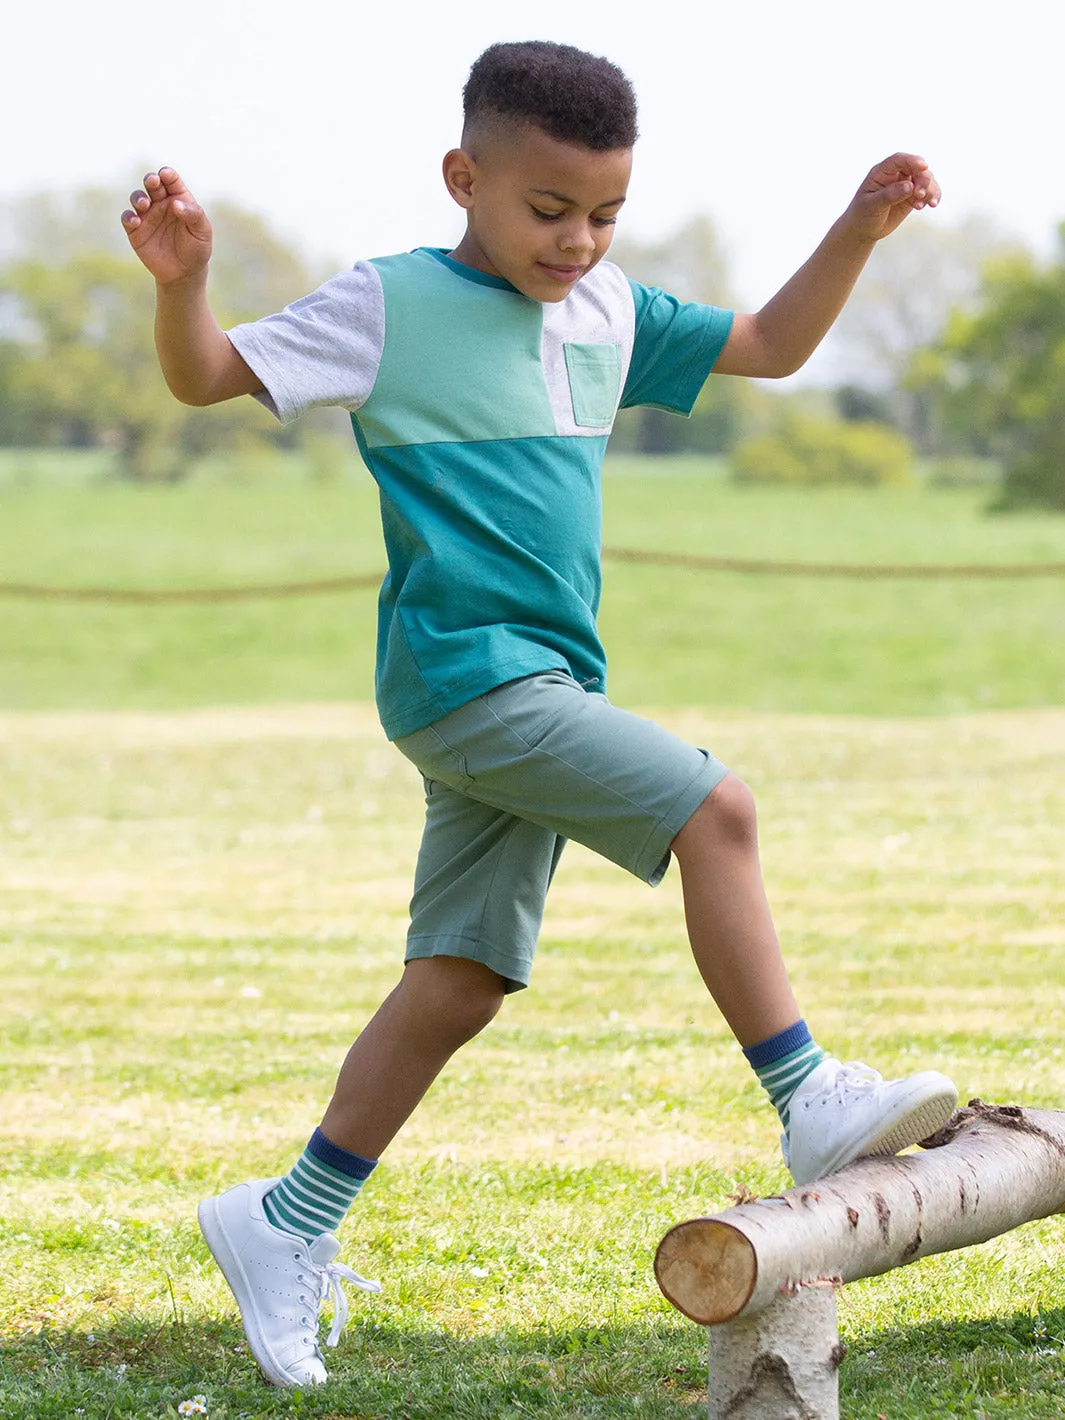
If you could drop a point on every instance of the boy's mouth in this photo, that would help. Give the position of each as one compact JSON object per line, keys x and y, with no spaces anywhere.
{"x":561,"y":273}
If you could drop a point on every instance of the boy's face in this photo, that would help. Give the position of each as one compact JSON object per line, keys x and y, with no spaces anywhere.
{"x":539,"y":213}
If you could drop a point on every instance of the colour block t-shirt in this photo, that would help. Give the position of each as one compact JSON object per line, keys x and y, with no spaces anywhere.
{"x":483,"y":416}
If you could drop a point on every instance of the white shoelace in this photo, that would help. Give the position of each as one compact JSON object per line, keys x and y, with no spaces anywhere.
{"x":330,"y":1276}
{"x":856,"y":1077}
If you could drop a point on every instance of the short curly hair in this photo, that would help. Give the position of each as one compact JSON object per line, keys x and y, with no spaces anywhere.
{"x":569,"y":94}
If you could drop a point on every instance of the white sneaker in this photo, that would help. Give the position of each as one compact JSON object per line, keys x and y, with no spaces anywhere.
{"x":845,"y":1112}
{"x":279,"y":1282}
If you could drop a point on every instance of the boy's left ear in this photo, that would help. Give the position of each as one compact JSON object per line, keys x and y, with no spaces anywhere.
{"x":459,"y":171}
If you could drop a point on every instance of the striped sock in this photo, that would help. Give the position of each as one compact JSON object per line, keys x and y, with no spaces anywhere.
{"x":314,"y":1197}
{"x":782,"y":1063}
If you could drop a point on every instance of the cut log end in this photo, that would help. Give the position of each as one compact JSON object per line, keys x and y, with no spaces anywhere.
{"x":707,"y":1269}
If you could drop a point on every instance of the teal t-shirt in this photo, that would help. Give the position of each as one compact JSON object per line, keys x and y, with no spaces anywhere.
{"x":483,"y":416}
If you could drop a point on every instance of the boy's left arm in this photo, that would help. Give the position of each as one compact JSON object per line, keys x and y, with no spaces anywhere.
{"x":783,"y":335}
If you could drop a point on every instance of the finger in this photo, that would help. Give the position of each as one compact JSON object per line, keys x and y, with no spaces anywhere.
{"x":933,"y":192}
{"x":920,"y":192}
{"x":926,"y":190}
{"x":894,"y":193}
{"x":156,"y":186}
{"x":192,"y":214}
{"x":130,"y":221}
{"x":172,"y":183}
{"x":154,"y":192}
{"x":910,"y":164}
{"x":898,"y":168}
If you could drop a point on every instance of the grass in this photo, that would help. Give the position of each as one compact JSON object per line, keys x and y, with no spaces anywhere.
{"x":200,"y":909}
{"x":200,"y":904}
{"x":676,"y":637}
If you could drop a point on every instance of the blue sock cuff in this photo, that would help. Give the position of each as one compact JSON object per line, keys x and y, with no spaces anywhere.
{"x":326,"y":1152}
{"x":766,"y":1052}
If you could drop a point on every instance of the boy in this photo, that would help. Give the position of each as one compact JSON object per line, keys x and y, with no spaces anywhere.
{"x":482,"y":384}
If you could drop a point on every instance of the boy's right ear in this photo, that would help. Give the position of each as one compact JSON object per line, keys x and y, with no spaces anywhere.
{"x":459,"y":174}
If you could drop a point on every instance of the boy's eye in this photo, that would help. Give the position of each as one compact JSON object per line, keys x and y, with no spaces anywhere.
{"x":555,"y":216}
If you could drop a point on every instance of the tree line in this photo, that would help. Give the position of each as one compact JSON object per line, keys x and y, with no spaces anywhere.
{"x":951,"y":347}
{"x":77,"y":357}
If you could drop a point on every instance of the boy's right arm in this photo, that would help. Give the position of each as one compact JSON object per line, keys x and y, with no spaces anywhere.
{"x":171,"y":235}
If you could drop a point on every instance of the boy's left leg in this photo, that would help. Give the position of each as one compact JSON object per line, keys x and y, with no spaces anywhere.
{"x":478,"y":898}
{"x":545,"y":749}
{"x":273,"y":1238}
{"x":730,"y":926}
{"x":831,"y":1113}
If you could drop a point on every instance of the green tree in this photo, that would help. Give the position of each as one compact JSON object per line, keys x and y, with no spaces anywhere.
{"x":77,"y":359}
{"x":690,"y":264}
{"x":253,"y":271}
{"x":902,"y":305}
{"x":16,"y":423}
{"x":998,"y":376}
{"x":88,"y":363}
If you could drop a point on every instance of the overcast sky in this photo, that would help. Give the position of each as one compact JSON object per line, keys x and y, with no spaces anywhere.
{"x":331,"y":118}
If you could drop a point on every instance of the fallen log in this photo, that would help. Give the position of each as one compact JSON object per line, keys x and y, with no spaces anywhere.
{"x":746,"y":1272}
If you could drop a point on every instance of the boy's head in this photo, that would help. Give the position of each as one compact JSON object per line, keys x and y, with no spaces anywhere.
{"x":569,"y":95}
{"x":544,"y":164}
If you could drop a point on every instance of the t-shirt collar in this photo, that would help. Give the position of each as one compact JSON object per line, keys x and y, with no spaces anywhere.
{"x":468,"y":273}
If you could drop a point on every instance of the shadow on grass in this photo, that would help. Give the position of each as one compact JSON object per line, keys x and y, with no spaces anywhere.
{"x":1004,"y":1366}
{"x":997,"y":1366}
{"x":379,"y":1372}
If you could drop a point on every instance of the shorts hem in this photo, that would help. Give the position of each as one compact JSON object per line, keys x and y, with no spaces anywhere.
{"x":515,"y":972}
{"x":655,"y":856}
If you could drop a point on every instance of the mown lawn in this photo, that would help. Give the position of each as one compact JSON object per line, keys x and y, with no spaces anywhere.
{"x":200,"y":904}
{"x":676,"y":636}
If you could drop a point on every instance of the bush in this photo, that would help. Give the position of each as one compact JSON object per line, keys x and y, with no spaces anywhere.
{"x":808,"y":451}
{"x":962,"y":471}
{"x":1035,"y":481}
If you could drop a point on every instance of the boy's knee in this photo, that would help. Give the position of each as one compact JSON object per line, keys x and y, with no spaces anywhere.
{"x":460,"y":997}
{"x":473,"y":1010}
{"x":728,"y":813}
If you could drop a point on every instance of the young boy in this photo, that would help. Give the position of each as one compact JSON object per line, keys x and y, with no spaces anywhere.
{"x":482,"y":384}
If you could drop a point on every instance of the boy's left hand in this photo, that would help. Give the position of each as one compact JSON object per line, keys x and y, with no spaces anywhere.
{"x":901,"y":184}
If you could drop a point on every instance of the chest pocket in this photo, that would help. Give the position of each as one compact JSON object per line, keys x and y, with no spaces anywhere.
{"x":594,"y":373}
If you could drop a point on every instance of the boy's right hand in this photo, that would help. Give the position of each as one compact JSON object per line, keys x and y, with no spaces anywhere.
{"x":168,"y":229}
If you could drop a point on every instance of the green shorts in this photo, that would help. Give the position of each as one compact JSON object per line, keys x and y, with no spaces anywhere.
{"x":509,"y":778}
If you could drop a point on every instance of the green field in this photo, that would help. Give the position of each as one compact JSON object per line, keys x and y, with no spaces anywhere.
{"x":676,"y":637}
{"x":204,"y":870}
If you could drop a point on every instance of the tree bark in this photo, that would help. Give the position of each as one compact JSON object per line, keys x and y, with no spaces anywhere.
{"x":781,"y":1363}
{"x":991,"y":1169}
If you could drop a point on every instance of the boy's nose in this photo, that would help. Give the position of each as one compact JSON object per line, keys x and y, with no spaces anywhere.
{"x":577,"y":239}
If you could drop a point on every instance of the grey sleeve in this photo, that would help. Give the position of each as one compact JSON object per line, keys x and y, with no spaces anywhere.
{"x":322,"y":350}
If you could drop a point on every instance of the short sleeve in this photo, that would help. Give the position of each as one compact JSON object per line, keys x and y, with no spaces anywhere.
{"x":675,"y":346}
{"x":322,"y":350}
